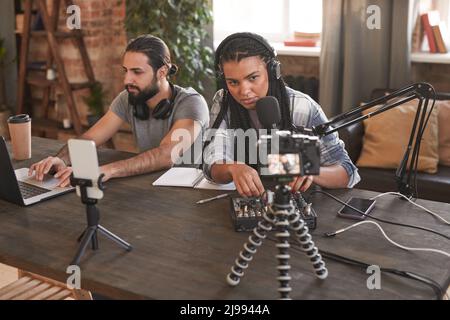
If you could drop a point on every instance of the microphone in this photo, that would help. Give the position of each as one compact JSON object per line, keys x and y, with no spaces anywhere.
{"x":268,"y":111}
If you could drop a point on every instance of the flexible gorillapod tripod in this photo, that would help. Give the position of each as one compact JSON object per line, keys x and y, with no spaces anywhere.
{"x":93,"y":216}
{"x":284,"y":217}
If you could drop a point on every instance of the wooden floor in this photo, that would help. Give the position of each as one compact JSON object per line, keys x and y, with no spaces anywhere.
{"x":7,"y":275}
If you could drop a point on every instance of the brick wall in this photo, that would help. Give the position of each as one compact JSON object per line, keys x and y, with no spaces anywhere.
{"x":102,"y":24}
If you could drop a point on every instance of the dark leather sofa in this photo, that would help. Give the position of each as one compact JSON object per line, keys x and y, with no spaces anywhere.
{"x":434,"y":187}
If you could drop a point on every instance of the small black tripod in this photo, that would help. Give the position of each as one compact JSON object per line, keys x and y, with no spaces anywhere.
{"x":283,"y":218}
{"x":93,"y":216}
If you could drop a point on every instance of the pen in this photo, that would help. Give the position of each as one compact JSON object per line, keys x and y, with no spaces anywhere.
{"x":213,"y":198}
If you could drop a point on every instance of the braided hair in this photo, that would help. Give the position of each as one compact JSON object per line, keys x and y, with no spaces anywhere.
{"x":236,"y":50}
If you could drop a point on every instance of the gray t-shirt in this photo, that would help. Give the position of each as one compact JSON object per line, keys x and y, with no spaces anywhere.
{"x":188,"y":104}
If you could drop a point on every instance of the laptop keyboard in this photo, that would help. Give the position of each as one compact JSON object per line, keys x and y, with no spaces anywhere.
{"x":29,"y":190}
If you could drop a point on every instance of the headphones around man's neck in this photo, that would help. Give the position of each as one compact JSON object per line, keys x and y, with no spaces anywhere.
{"x":161,"y":111}
{"x":273,"y":65}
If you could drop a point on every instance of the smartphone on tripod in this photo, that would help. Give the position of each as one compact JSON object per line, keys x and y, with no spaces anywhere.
{"x":83,"y":156}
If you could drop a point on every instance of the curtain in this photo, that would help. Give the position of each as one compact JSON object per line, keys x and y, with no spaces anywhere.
{"x":356,"y":59}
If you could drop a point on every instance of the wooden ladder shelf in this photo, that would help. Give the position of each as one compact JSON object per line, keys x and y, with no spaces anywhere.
{"x":50,"y":22}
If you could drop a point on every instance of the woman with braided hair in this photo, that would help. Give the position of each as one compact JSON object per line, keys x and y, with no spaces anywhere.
{"x":247,"y":70}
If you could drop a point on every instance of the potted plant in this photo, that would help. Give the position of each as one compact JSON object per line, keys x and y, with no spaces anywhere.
{"x":5,"y":111}
{"x":95,"y":103}
{"x":182,"y":24}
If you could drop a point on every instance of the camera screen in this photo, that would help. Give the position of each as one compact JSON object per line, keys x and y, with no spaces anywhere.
{"x":283,"y":164}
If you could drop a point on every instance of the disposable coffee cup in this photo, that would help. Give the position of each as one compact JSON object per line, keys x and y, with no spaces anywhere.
{"x":20,"y":132}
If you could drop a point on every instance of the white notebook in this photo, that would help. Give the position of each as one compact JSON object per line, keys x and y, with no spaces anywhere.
{"x":189,"y":177}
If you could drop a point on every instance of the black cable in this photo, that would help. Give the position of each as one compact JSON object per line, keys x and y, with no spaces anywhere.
{"x":378,"y":219}
{"x":438,"y":290}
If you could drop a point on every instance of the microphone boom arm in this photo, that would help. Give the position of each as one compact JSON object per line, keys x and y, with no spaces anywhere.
{"x":421,"y":91}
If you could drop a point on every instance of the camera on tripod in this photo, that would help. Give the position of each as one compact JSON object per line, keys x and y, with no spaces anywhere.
{"x":282,"y":155}
{"x":287,"y":154}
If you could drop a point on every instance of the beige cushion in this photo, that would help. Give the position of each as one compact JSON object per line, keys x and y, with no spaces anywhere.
{"x":444,"y":132}
{"x":387,"y":134}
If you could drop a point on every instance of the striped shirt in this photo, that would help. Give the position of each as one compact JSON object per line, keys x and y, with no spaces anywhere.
{"x":304,"y":112}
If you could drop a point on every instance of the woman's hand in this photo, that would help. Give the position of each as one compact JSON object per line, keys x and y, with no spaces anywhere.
{"x":301,"y":183}
{"x":246,"y":179}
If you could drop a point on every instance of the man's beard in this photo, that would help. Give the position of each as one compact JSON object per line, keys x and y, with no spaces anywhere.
{"x":143,"y":95}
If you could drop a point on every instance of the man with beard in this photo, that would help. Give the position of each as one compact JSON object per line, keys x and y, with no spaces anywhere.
{"x":155,"y":109}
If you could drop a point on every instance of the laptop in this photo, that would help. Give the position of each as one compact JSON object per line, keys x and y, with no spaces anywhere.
{"x":17,"y":187}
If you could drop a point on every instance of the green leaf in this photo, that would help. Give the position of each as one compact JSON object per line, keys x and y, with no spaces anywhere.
{"x":182,"y":25}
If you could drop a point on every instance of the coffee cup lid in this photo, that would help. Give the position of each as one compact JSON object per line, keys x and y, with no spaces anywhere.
{"x":20,"y":118}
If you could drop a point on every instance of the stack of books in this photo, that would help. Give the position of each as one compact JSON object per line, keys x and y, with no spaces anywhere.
{"x":431,"y":34}
{"x":303,"y":39}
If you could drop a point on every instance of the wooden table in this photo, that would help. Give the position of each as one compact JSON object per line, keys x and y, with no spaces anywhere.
{"x":184,"y":251}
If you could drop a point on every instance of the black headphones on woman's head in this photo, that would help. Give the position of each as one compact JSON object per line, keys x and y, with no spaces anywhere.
{"x":273,"y":66}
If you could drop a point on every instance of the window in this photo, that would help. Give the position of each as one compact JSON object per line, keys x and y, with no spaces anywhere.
{"x":420,"y":48}
{"x":443,"y":7}
{"x":440,"y":5}
{"x":276,"y":20}
{"x":305,"y":16}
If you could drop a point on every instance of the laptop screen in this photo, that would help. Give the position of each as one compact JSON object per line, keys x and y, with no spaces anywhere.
{"x":9,"y":188}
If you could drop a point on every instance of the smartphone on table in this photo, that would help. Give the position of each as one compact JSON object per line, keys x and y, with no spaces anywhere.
{"x":365,"y":205}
